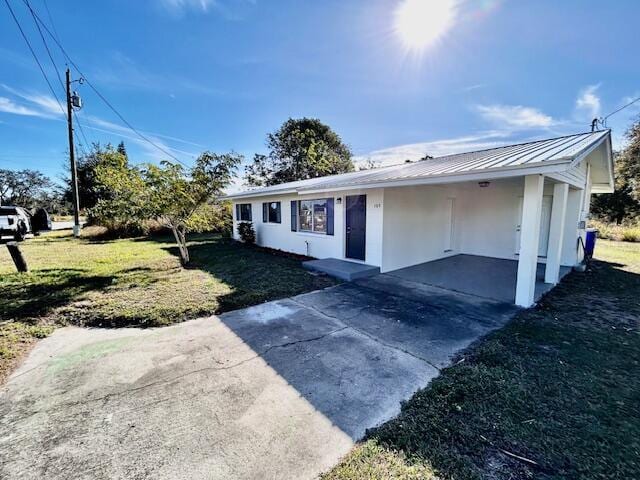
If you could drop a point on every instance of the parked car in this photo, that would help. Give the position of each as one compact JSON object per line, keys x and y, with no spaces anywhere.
{"x":14,"y":221}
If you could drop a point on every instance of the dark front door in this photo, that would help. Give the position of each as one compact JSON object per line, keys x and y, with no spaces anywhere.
{"x":356,"y":223}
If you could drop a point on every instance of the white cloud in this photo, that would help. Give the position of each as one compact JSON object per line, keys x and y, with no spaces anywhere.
{"x":38,"y":105}
{"x":515,"y":116}
{"x":9,"y":106}
{"x":588,"y":103}
{"x":105,"y":126}
{"x":476,"y":86}
{"x":228,"y":9}
{"x":45,"y":106}
{"x":178,"y":6}
{"x":436,"y":148}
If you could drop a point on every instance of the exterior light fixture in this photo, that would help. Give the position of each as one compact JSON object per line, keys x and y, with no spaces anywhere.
{"x":484,"y":184}
{"x":339,"y":200}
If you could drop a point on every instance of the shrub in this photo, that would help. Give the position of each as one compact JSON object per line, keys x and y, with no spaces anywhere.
{"x":212,"y":217}
{"x":246,"y":232}
{"x":631,"y":234}
{"x":605,"y":230}
{"x":611,"y":231}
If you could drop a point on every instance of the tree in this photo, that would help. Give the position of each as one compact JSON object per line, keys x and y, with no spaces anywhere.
{"x":88,"y":189}
{"x":624,"y":203}
{"x":300,"y":149}
{"x":369,"y":164}
{"x":122,"y":150}
{"x":25,"y":188}
{"x":629,"y":161}
{"x":165,"y":193}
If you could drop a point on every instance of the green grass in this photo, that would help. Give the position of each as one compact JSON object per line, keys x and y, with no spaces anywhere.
{"x":136,"y":282}
{"x":559,"y":386}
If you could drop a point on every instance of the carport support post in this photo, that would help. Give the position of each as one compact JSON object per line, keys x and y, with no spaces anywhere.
{"x":556,"y":232}
{"x":529,"y":240}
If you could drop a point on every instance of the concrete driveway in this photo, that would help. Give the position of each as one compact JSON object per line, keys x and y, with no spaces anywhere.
{"x":280,"y":390}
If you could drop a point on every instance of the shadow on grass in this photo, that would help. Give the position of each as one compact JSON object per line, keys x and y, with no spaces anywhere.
{"x":255,"y":275}
{"x":23,"y":298}
{"x":556,"y":386}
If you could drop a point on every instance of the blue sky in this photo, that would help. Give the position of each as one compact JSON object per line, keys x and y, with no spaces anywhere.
{"x":221,"y":74}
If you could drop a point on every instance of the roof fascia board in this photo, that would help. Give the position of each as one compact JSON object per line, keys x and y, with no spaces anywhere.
{"x":585,"y":153}
{"x":610,"y":165}
{"x":257,"y":195}
{"x":558,"y":178}
{"x":606,"y":139}
{"x":601,"y":188}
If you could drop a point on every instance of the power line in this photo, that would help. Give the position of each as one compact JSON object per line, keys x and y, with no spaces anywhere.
{"x":622,"y":108}
{"x":35,"y":57}
{"x":55,"y":67}
{"x":84,"y":137}
{"x":46,"y":46}
{"x":102,"y":97}
{"x":603,"y":120}
{"x":53,"y":25}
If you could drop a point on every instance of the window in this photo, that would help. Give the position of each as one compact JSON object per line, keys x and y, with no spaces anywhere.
{"x":313,"y":216}
{"x":243,"y":213}
{"x":271,"y":212}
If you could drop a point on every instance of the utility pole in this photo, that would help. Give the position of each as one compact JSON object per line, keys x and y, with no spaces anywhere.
{"x":72,"y":160}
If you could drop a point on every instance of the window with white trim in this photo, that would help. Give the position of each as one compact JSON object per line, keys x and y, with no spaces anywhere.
{"x":313,"y":216}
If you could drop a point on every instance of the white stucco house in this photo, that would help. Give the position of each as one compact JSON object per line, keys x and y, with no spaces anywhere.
{"x":527,"y":203}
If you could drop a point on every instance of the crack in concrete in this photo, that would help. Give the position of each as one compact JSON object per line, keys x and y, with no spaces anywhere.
{"x":366,"y":334}
{"x":105,"y":398}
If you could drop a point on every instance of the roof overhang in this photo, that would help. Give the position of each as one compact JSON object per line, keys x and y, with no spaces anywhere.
{"x":250,"y":194}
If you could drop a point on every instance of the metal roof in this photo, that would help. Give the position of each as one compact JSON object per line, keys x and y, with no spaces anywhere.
{"x":554,"y":151}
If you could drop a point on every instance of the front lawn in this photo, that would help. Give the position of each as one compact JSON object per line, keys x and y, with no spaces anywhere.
{"x":134,"y":282}
{"x":553,"y":395}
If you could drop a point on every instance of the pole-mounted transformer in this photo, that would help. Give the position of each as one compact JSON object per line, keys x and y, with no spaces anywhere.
{"x":76,"y":101}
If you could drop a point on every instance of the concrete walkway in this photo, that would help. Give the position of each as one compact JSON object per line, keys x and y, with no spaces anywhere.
{"x":280,"y":390}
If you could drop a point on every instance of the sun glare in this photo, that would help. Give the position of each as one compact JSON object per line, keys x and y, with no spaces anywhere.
{"x":420,"y":23}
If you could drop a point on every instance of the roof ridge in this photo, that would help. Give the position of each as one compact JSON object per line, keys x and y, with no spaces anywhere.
{"x":515,"y":144}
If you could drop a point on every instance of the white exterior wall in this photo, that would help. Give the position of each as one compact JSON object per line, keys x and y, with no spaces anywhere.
{"x":410,"y":225}
{"x":417,"y":229}
{"x":416,"y":226}
{"x":489,"y":217}
{"x":416,"y":222}
{"x":279,"y":235}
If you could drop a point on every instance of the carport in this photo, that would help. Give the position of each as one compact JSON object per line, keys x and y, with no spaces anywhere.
{"x":493,"y":278}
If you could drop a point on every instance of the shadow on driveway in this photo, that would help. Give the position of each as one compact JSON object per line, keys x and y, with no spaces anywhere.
{"x":355,"y":351}
{"x":279,"y":390}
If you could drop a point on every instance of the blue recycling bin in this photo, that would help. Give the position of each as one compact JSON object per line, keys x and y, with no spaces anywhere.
{"x":590,"y":242}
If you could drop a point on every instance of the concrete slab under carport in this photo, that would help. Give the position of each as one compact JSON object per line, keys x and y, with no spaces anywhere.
{"x":487,"y":277}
